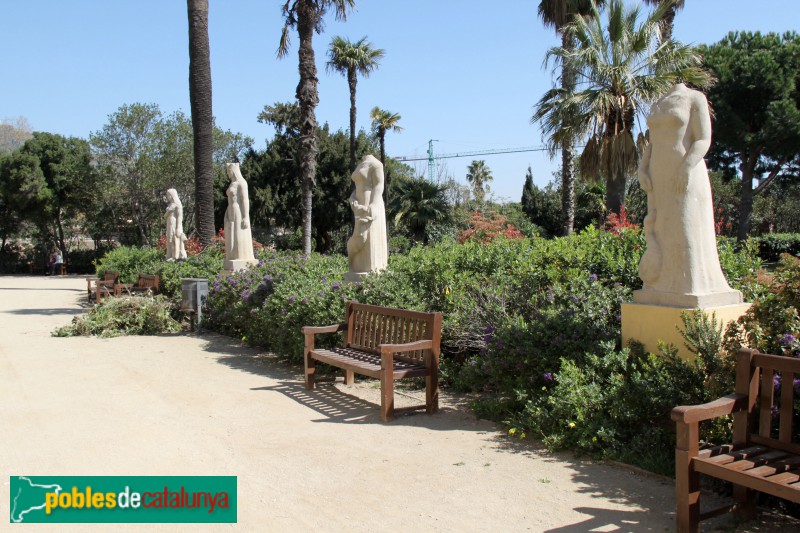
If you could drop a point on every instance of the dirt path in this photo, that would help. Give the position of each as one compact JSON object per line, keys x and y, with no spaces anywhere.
{"x":305,"y":461}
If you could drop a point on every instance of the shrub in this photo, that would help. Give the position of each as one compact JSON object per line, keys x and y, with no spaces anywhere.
{"x":124,"y":316}
{"x":772,"y":245}
{"x":772,"y":324}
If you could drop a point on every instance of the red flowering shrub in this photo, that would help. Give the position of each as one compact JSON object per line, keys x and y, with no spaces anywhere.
{"x":616,"y":223}
{"x":485,"y":230}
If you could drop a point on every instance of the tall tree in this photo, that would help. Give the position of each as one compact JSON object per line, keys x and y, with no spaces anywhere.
{"x":307,"y":17}
{"x":383,"y":121}
{"x":558,"y":14}
{"x":49,"y":181}
{"x":667,"y":23}
{"x":202,"y":117}
{"x":479,"y":176}
{"x":352,"y":59}
{"x":757,"y":105}
{"x":620,"y":66}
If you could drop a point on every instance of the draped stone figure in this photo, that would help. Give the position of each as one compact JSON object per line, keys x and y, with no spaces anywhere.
{"x":680,"y":267}
{"x":367,"y":248}
{"x":176,"y":238}
{"x":238,"y":235}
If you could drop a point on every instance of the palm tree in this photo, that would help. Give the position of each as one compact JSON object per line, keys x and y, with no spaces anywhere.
{"x":383,"y":121}
{"x":202,"y":118}
{"x":667,"y":23}
{"x":479,"y":176}
{"x":352,"y":59}
{"x":620,"y":69}
{"x":417,"y":203}
{"x":306,"y":16}
{"x":558,"y":14}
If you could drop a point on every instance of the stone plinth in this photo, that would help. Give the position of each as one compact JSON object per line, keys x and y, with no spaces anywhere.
{"x":649,"y":324}
{"x":232,"y":265}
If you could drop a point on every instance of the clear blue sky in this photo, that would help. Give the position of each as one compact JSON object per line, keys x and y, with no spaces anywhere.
{"x":465,"y":72}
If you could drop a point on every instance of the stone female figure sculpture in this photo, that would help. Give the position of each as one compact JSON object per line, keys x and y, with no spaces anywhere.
{"x":680,"y":267}
{"x":176,"y":238}
{"x":367,"y":248}
{"x":238,"y":235}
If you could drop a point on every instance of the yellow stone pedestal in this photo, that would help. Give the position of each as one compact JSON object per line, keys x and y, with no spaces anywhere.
{"x":649,"y":324}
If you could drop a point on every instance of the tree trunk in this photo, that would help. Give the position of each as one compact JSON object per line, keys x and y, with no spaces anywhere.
{"x":667,"y":23}
{"x":615,"y":193}
{"x":351,"y":80}
{"x":747,"y":168}
{"x":202,"y":117}
{"x":567,"y":153}
{"x":307,"y":17}
{"x":382,"y":140}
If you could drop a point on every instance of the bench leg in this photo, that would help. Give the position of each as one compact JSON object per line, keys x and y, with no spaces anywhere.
{"x":687,"y":480}
{"x":432,"y":392}
{"x":745,"y":503}
{"x":387,"y":396}
{"x":349,"y":377}
{"x":311,"y":370}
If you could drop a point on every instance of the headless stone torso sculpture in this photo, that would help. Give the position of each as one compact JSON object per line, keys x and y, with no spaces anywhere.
{"x":680,"y":267}
{"x":367,"y":248}
{"x":176,"y":248}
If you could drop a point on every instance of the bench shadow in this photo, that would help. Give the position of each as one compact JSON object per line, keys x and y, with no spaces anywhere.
{"x":335,"y":404}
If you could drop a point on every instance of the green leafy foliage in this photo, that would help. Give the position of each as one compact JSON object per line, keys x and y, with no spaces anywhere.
{"x":772,"y":245}
{"x":138,"y":315}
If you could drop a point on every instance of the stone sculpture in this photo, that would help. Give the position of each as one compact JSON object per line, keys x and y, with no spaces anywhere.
{"x":176,"y":238}
{"x":680,"y":267}
{"x":367,"y":248}
{"x":238,"y":235}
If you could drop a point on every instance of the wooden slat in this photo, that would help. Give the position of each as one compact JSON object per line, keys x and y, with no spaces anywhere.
{"x":756,"y":482}
{"x":776,"y":444}
{"x":777,"y":362}
{"x":791,"y":462}
{"x":766,"y":396}
{"x":787,"y":407}
{"x":737,"y":455}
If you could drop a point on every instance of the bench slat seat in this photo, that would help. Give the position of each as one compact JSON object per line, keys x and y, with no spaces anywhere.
{"x":762,"y":456}
{"x":365,"y":363}
{"x":383,"y":343}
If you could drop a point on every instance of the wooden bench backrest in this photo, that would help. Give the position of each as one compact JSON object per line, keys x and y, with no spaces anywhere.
{"x":111,"y":276}
{"x":769,"y":383}
{"x":147,"y":281}
{"x":369,"y":326}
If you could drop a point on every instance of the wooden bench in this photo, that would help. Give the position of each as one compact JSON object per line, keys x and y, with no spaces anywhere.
{"x":383,"y":343}
{"x":145,"y":283}
{"x":99,"y":288}
{"x":762,"y":457}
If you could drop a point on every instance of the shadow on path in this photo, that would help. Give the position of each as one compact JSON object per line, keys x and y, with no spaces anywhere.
{"x":45,"y":312}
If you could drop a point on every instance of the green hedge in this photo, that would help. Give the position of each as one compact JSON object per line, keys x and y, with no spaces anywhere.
{"x":772,"y":245}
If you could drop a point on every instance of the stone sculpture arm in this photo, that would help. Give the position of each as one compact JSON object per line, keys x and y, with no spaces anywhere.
{"x":244,"y":204}
{"x":700,"y":138}
{"x":377,"y":185}
{"x":179,"y":219}
{"x":644,"y":170}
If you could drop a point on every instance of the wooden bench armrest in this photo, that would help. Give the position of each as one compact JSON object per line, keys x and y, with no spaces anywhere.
{"x":333,"y":328}
{"x":407,"y":347}
{"x":726,"y":405}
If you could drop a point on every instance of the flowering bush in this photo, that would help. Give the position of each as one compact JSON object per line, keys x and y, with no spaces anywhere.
{"x":485,"y":229}
{"x":616,"y":223}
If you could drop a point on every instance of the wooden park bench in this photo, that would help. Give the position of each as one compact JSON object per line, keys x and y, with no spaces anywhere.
{"x":763,"y":456}
{"x":99,"y":288}
{"x":145,"y":283}
{"x":383,"y":343}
